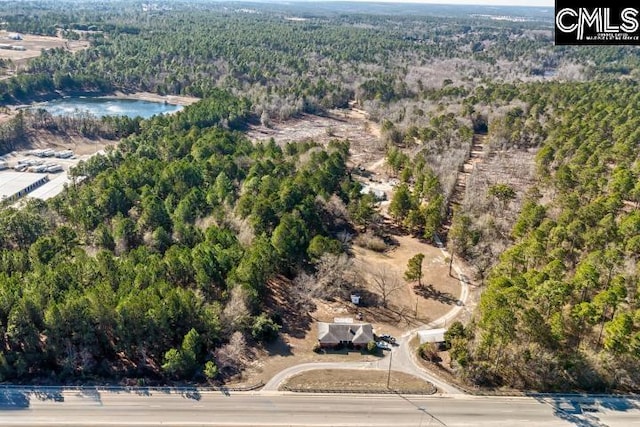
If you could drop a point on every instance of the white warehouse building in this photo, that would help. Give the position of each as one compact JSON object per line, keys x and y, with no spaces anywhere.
{"x":14,"y":185}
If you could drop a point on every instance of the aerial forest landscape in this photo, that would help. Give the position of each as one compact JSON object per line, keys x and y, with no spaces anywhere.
{"x":411,"y":167}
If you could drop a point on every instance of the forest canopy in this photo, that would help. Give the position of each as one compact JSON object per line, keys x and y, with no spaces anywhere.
{"x":154,"y":266}
{"x":159,"y":263}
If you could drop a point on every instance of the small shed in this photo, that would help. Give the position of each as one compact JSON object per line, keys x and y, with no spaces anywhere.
{"x":355,"y":299}
{"x":431,"y":335}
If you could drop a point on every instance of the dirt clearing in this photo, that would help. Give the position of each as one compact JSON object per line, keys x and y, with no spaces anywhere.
{"x":154,"y":97}
{"x":21,"y":47}
{"x":364,"y":135}
{"x":410,"y":305}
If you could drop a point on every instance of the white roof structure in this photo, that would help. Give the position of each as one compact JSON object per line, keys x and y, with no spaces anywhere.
{"x":52,"y":188}
{"x":17,"y":184}
{"x":431,"y":335}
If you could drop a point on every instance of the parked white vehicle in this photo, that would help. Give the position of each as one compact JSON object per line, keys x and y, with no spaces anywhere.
{"x":54,"y":168}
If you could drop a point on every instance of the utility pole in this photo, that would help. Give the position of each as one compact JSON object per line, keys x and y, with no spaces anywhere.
{"x":389,"y":372}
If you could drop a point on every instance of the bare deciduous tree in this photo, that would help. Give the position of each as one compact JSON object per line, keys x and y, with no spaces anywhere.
{"x":236,"y":313}
{"x":386,"y":283}
{"x":334,"y":275}
{"x":303,"y":290}
{"x":232,"y":356}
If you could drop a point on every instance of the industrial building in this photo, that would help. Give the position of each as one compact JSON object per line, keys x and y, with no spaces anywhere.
{"x":14,"y":185}
{"x":53,"y":188}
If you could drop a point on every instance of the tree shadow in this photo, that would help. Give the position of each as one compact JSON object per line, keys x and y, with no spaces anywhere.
{"x":367,"y":298}
{"x":297,"y":325}
{"x":581,"y":409}
{"x":49,"y":393}
{"x":389,"y":314}
{"x":294,"y":319}
{"x":278,"y":347}
{"x":11,"y":400}
{"x":429,"y":292}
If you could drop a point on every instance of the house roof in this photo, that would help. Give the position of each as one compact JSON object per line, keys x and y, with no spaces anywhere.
{"x":431,"y":335}
{"x":334,"y":333}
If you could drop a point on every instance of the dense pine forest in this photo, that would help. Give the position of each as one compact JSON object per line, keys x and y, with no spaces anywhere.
{"x":165,"y":255}
{"x":560,"y":308}
{"x":158,"y":264}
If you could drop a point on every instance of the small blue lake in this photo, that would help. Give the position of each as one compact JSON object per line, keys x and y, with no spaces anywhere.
{"x":106,"y":106}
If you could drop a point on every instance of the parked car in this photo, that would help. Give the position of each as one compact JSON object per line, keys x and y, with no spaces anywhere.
{"x":388,"y":338}
{"x":383,"y":345}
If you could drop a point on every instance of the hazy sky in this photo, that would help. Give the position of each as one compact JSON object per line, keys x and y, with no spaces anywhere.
{"x":548,"y":3}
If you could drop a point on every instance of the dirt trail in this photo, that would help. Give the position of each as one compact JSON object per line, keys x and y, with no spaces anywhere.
{"x":475,"y":158}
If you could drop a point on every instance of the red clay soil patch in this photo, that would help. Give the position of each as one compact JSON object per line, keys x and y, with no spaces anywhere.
{"x":357,"y":381}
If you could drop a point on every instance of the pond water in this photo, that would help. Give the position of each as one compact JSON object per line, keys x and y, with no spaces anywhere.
{"x":105,"y":106}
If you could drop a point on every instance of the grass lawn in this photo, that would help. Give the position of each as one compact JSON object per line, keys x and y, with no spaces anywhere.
{"x":357,"y":381}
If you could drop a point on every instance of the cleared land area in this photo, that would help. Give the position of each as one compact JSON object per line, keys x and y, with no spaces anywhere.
{"x":154,"y":97}
{"x":31,"y":46}
{"x":364,"y":135}
{"x":407,"y":307}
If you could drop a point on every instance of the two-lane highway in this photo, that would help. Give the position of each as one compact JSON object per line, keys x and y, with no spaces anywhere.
{"x":102,"y":408}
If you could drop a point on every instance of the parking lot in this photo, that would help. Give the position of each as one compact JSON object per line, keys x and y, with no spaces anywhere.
{"x":38,"y":162}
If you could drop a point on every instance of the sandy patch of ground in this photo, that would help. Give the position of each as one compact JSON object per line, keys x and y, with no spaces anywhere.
{"x":154,"y":97}
{"x":348,"y":380}
{"x":410,"y":305}
{"x":80,"y":145}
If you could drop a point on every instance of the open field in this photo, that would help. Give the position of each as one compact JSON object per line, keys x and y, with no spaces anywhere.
{"x":33,"y":46}
{"x":351,"y":380}
{"x":410,"y":305}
